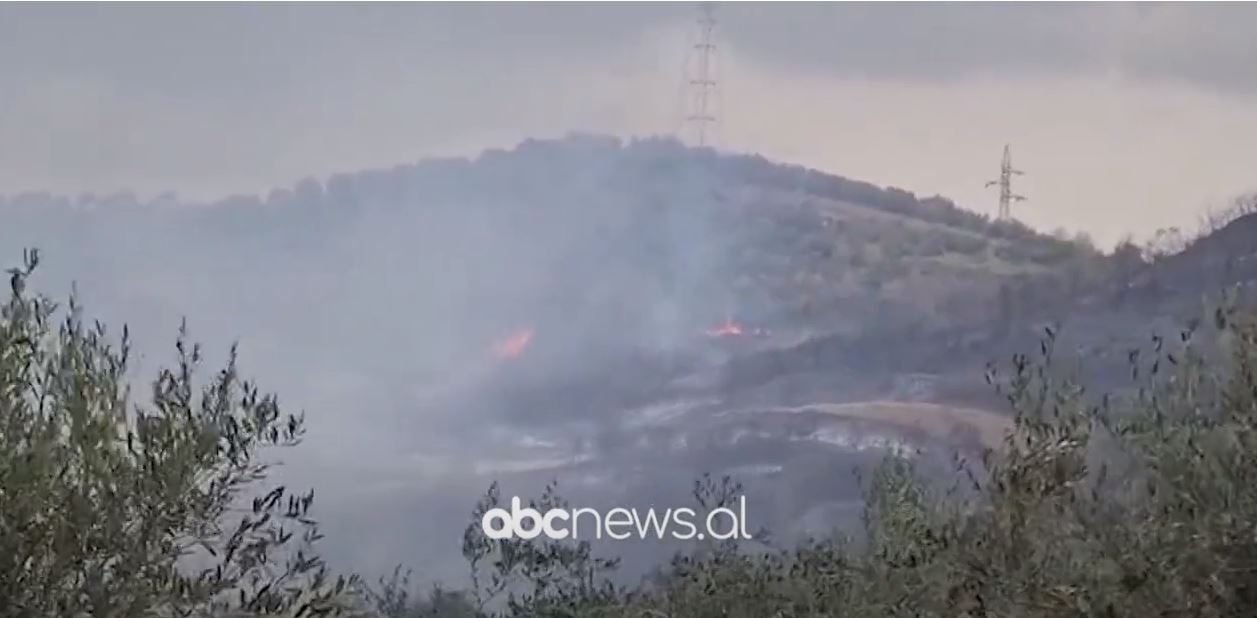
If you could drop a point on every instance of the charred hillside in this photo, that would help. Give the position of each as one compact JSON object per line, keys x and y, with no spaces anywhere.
{"x":592,"y":253}
{"x":617,"y":315}
{"x":648,"y":239}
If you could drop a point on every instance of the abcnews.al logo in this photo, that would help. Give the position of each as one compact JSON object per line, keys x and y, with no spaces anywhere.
{"x":618,"y":523}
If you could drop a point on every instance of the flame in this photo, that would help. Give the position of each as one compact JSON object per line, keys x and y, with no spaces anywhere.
{"x":513,"y":346}
{"x":728,"y":329}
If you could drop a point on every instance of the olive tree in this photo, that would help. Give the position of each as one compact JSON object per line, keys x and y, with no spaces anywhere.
{"x":113,"y":504}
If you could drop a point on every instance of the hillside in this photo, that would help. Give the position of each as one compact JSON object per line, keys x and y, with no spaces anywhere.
{"x":620,"y":315}
{"x":593,"y":249}
{"x":645,"y":236}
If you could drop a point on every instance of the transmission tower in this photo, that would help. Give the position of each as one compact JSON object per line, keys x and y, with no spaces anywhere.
{"x":1005,"y":184}
{"x":700,"y":85}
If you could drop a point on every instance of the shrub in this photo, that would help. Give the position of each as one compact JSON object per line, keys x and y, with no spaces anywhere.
{"x":1137,"y":503}
{"x":110,"y":507}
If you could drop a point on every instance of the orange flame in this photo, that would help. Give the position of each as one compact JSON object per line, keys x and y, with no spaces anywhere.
{"x":513,"y":346}
{"x":728,"y":329}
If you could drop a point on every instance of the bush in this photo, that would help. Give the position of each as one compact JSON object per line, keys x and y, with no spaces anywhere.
{"x":965,"y":244}
{"x":1134,"y":504}
{"x":1138,"y":503}
{"x":110,"y":508}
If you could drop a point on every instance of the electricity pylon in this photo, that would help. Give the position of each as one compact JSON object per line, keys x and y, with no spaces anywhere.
{"x":700,"y":80}
{"x":1005,"y":184}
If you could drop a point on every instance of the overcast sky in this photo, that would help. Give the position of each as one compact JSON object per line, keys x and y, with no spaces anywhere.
{"x":1126,"y":117}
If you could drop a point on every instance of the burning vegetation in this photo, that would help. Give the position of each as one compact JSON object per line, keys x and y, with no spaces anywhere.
{"x":728,"y":329}
{"x":732,"y":328}
{"x":513,"y":346}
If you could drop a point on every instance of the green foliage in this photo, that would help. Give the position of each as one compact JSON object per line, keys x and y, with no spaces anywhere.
{"x":964,"y":244}
{"x":1137,"y":503}
{"x":393,"y":599}
{"x":541,"y":577}
{"x":110,"y":507}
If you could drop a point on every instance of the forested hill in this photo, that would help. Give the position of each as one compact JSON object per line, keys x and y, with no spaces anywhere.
{"x":572,"y":300}
{"x":649,"y":239}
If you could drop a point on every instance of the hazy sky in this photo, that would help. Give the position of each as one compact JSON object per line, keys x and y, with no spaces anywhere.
{"x":1127,"y":117}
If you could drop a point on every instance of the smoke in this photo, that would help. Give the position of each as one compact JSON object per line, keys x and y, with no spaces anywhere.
{"x":527,"y":315}
{"x":372,"y":302}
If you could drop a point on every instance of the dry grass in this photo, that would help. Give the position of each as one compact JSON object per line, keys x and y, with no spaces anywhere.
{"x":940,"y":422}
